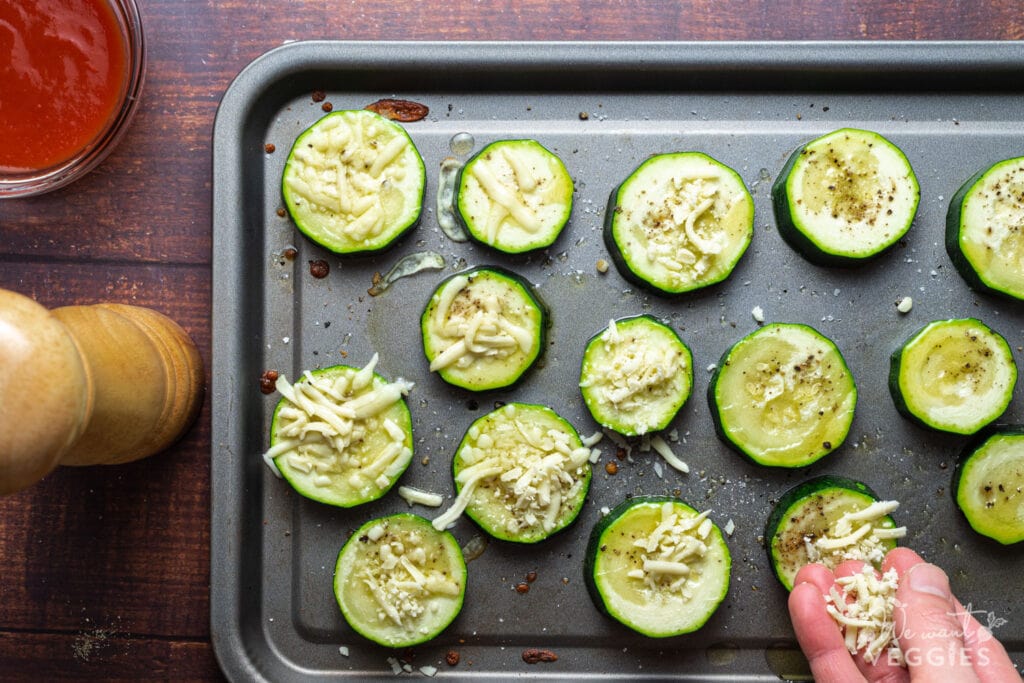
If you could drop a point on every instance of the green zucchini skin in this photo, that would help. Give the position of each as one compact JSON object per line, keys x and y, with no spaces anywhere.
{"x":480,"y":510}
{"x":479,"y":381}
{"x":809,"y":492}
{"x":342,"y":245}
{"x":800,"y":238}
{"x":550,"y":232}
{"x":343,"y":497}
{"x":350,"y":592}
{"x":600,"y":537}
{"x":843,"y":413}
{"x":905,"y":400}
{"x":784,"y":221}
{"x":980,"y":498}
{"x":958,"y":231}
{"x":618,"y":244}
{"x":629,"y":422}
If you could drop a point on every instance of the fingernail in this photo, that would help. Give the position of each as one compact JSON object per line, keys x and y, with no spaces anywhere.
{"x":928,"y":579}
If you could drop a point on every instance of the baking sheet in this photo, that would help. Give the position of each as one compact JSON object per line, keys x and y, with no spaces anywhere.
{"x":603,"y":108}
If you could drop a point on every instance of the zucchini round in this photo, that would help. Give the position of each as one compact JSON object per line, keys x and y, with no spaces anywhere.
{"x":657,"y":566}
{"x":679,"y":222}
{"x":399,"y":581}
{"x":354,"y":182}
{"x":514,"y":196}
{"x":828,"y":520}
{"x":983,"y":229}
{"x":483,"y":329}
{"x":521,"y":473}
{"x":636,"y":375}
{"x":341,"y":435}
{"x":953,"y":376}
{"x":783,"y":396}
{"x":988,"y":484}
{"x":845,"y":197}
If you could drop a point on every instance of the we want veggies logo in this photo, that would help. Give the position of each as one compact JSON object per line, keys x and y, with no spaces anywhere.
{"x":951,"y":654}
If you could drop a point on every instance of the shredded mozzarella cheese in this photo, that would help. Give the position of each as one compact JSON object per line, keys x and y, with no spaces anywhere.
{"x":862,"y":605}
{"x":413,"y":495}
{"x":670,"y":226}
{"x":670,"y":557}
{"x":664,"y":450}
{"x":531,"y":468}
{"x":856,"y":535}
{"x":353,"y":165}
{"x":474,"y":326}
{"x":400,"y":576}
{"x":634,"y":374}
{"x":324,"y":428}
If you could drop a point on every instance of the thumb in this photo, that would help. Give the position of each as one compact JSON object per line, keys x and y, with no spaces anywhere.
{"x":929,"y":627}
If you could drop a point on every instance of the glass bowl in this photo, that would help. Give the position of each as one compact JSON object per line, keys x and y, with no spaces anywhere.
{"x":39,"y":181}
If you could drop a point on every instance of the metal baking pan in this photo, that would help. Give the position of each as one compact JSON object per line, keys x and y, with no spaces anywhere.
{"x":603,"y":107}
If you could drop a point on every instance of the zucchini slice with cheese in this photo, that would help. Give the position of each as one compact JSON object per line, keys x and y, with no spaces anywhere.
{"x":399,"y":581}
{"x":341,"y":435}
{"x":636,"y":375}
{"x":657,"y":566}
{"x":988,"y":484}
{"x":845,"y":197}
{"x":679,"y":222}
{"x":483,"y":329}
{"x":514,"y":196}
{"x":521,"y":473}
{"x":783,"y":396}
{"x":354,"y":182}
{"x":953,"y":376}
{"x":985,"y":229}
{"x":829,"y":520}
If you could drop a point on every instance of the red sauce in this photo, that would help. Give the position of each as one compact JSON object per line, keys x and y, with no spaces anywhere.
{"x":63,"y":68}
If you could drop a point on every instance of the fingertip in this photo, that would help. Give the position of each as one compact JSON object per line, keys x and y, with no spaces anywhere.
{"x":928,"y":579}
{"x":817,"y":575}
{"x":927,"y":623}
{"x":819,"y":636}
{"x":804,"y":595}
{"x":805,"y":605}
{"x":901,"y":559}
{"x":849,"y":568}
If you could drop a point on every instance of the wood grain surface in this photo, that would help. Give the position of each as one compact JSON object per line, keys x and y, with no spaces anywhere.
{"x":105,"y":570}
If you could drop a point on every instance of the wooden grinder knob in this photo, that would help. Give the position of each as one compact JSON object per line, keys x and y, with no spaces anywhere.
{"x":45,"y":401}
{"x":135,"y":372}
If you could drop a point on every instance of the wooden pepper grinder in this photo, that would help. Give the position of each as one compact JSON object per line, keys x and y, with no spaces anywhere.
{"x":88,"y":385}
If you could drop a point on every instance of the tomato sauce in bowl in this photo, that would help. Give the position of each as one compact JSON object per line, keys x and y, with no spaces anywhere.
{"x":70,"y":76}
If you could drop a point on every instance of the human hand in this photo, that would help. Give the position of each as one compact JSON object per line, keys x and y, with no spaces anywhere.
{"x":940,"y":639}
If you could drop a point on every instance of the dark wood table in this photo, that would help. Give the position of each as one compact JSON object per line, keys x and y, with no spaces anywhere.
{"x":104,"y":571}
